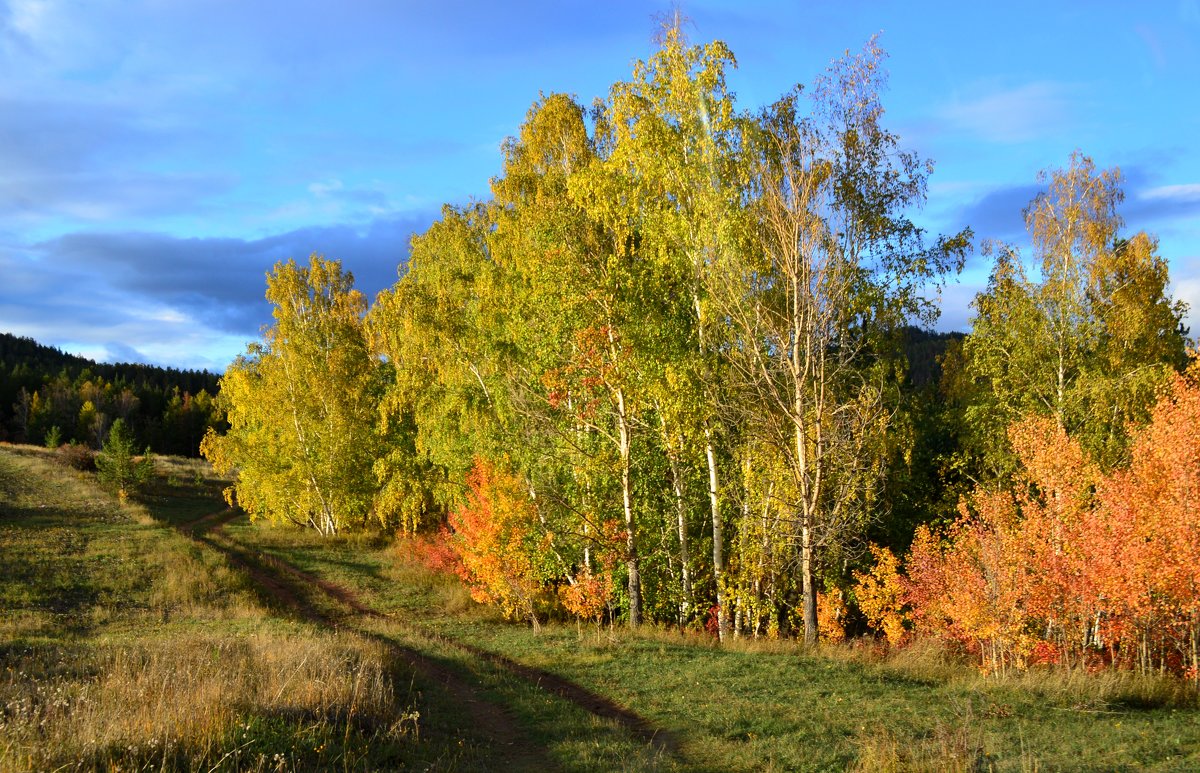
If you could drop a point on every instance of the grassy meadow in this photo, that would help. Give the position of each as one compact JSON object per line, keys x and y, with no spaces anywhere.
{"x":155,"y":636}
{"x":764,"y":705}
{"x":126,"y":645}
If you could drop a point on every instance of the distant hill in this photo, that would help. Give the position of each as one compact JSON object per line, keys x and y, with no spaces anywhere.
{"x":925,"y":349}
{"x":43,"y":387}
{"x":16,"y":350}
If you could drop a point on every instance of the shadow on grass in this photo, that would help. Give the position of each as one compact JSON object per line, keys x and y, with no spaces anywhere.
{"x":453,"y":687}
{"x":46,"y":570}
{"x":593,"y":703}
{"x":488,"y":725}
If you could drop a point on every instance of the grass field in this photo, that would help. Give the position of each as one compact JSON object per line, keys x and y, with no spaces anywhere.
{"x":125,"y":645}
{"x":771,"y":706}
{"x":166,"y":635}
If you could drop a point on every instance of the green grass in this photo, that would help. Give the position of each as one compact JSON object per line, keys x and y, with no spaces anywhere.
{"x":125,"y":644}
{"x":772,"y":705}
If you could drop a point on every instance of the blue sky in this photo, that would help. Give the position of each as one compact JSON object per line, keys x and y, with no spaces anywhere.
{"x":158,"y":156}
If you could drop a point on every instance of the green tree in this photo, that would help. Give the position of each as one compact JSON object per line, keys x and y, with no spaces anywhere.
{"x":836,"y":269}
{"x":674,"y":142}
{"x":575,"y":264}
{"x":302,"y":406}
{"x":436,"y":331}
{"x":1089,"y":340}
{"x":116,"y":465}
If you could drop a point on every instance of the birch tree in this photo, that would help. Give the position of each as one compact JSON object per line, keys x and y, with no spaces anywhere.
{"x":837,"y":263}
{"x":301,"y":406}
{"x":674,"y":138}
{"x":1089,"y":338}
{"x":437,"y":330}
{"x":575,"y":259}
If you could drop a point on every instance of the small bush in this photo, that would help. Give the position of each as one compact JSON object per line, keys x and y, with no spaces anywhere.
{"x":433,"y":551}
{"x":77,"y":456}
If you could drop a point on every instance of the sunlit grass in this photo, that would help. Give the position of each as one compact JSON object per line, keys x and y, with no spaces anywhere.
{"x":125,"y":645}
{"x":775,"y":705}
{"x":193,"y":699}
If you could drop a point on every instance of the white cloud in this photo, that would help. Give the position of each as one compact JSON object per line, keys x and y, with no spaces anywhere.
{"x":1011,"y":116}
{"x":321,"y":190}
{"x":28,"y":17}
{"x":1186,"y":193}
{"x":1187,"y":289}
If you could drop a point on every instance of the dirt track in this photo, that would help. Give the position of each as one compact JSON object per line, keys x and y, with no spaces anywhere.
{"x":509,"y":746}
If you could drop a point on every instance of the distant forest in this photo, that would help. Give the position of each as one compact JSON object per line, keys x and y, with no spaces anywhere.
{"x":47,"y":394}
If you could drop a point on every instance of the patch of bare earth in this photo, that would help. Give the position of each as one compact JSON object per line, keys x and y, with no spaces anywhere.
{"x":508,"y":745}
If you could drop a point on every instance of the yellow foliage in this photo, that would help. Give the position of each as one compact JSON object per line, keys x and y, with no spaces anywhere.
{"x":879,"y":594}
{"x":301,"y":406}
{"x":831,"y":611}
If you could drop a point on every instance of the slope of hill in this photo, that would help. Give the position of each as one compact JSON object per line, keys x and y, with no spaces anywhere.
{"x":42,"y":388}
{"x":223,"y":644}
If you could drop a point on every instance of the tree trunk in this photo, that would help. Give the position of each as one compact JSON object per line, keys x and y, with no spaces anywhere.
{"x":680,"y":521}
{"x":632,"y":563}
{"x":807,"y":582}
{"x":714,"y":501}
{"x":718,"y":536}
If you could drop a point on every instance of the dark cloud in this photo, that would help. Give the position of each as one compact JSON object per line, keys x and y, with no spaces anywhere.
{"x":1162,"y":204}
{"x":93,"y":160}
{"x":998,"y":214}
{"x":58,"y":136}
{"x":152,"y":297}
{"x":220,"y":281}
{"x":98,"y":197}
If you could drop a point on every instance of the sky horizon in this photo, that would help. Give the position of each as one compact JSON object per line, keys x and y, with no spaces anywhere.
{"x":157,"y":158}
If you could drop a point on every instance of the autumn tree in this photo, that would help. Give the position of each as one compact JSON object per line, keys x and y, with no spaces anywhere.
{"x":675,"y":135}
{"x":572,"y":250}
{"x":1069,"y":565}
{"x":301,"y":406}
{"x":967,"y":584}
{"x":438,"y":330}
{"x":1088,"y":341}
{"x":879,"y":594}
{"x":836,"y":263}
{"x":500,"y":546}
{"x":1147,"y":546}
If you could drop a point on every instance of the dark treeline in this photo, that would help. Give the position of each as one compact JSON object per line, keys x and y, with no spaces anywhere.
{"x":49,"y":396}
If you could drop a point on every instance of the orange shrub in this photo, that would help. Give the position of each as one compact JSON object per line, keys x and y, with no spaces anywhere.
{"x":831,"y":616}
{"x":879,"y":595}
{"x":1074,"y":567}
{"x":496,"y":538}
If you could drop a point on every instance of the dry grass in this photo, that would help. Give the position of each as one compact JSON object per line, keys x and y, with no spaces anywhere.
{"x":951,"y":749}
{"x":192,"y":701}
{"x":125,"y":645}
{"x":1104,"y":690}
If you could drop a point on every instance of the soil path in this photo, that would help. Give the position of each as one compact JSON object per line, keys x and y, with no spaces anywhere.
{"x":211,"y":521}
{"x":507,"y":745}
{"x":633,"y":723}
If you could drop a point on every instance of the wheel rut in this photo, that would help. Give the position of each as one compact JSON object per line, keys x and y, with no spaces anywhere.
{"x":591,"y":702}
{"x":507,"y":745}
